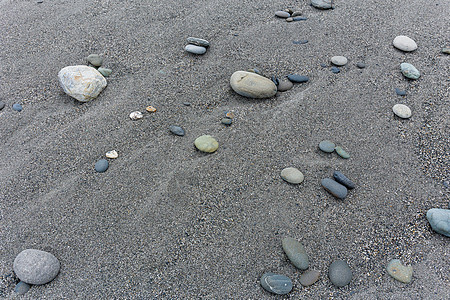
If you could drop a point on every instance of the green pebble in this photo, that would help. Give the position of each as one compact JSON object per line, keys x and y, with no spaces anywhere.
{"x":341,"y":152}
{"x":409,"y":71}
{"x":105,"y":72}
{"x":95,"y":60}
{"x":206,"y":143}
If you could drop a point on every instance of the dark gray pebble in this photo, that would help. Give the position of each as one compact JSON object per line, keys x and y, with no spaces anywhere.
{"x":323,"y":65}
{"x":17,"y":107}
{"x":298,"y":78}
{"x":177,"y":130}
{"x":187,"y":103}
{"x":22,"y":287}
{"x":400,"y":92}
{"x":275,"y":283}
{"x":342,"y":179}
{"x":334,"y":188}
{"x":361,"y":65}
{"x":335,"y":70}
{"x":300,"y":42}
{"x":275,"y":80}
{"x":101,"y":166}
{"x":227,"y":121}
{"x":339,"y":273}
{"x":299,"y":19}
{"x":2,"y":105}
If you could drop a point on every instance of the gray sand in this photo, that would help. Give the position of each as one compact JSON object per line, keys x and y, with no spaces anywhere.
{"x":166,"y":221}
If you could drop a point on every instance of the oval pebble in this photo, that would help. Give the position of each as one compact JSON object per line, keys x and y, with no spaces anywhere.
{"x":252,"y":85}
{"x":296,"y":253}
{"x":334,"y":188}
{"x":339,"y":273}
{"x":296,"y":14}
{"x":177,"y":130}
{"x":206,"y":143}
{"x":404,"y":43}
{"x":292,"y":175}
{"x":439,"y":220}
{"x":35,"y":266}
{"x":198,"y":42}
{"x":136,"y":115}
{"x":112,"y":154}
{"x":289,"y":19}
{"x":327,"y":146}
{"x":95,"y":60}
{"x":400,"y":92}
{"x":150,"y":109}
{"x":298,"y":78}
{"x":322,"y":4}
{"x":21,"y":288}
{"x":2,"y":105}
{"x":445,"y":50}
{"x":276,"y":284}
{"x":409,"y":71}
{"x":199,"y":50}
{"x":339,"y":60}
{"x":398,"y":271}
{"x":285,"y":85}
{"x":309,"y":277}
{"x":282,"y":14}
{"x":342,"y":179}
{"x":105,"y":72}
{"x":341,"y":152}
{"x":17,"y":107}
{"x":226,"y":121}
{"x":101,"y":165}
{"x":361,"y":65}
{"x":402,"y":111}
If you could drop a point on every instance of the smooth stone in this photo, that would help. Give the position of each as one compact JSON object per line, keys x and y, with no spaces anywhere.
{"x":186,"y":103}
{"x":445,"y":50}
{"x":199,"y":50}
{"x":322,"y":4}
{"x":282,"y":14}
{"x":292,"y":175}
{"x":177,"y":130}
{"x":296,"y":253}
{"x":327,"y":146}
{"x":298,"y":78}
{"x":339,"y":273}
{"x":409,"y":71}
{"x":2,"y":105}
{"x":335,"y":70}
{"x":226,"y":121}
{"x":439,"y":220}
{"x":361,"y":65}
{"x":112,"y":154}
{"x":285,"y":85}
{"x":404,"y":43}
{"x":104,"y":71}
{"x":35,"y":266}
{"x":289,"y":19}
{"x":339,"y":60}
{"x":300,"y":42}
{"x":101,"y":165}
{"x":150,"y":109}
{"x":309,"y":277}
{"x":341,"y":152}
{"x":95,"y":60}
{"x":136,"y":115}
{"x":299,"y":19}
{"x":22,"y":288}
{"x":276,"y":284}
{"x":400,"y":272}
{"x":252,"y":85}
{"x":334,"y":188}
{"x":206,"y":143}
{"x":402,"y":111}
{"x":400,"y":92}
{"x":342,"y":179}
{"x":17,"y":107}
{"x":198,"y":42}
{"x":296,"y":14}
{"x":81,"y":82}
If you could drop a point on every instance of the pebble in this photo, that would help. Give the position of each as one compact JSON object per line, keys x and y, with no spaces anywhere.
{"x":282,"y":14}
{"x":361,"y":65}
{"x":229,"y":114}
{"x":334,"y":188}
{"x":321,"y":4}
{"x":342,"y":179}
{"x":254,"y":70}
{"x":198,"y":42}
{"x":285,"y":85}
{"x":112,"y":154}
{"x":289,"y":19}
{"x":298,"y":78}
{"x":101,"y":165}
{"x":17,"y":107}
{"x":95,"y":60}
{"x":299,"y":19}
{"x":300,"y":42}
{"x":439,"y":220}
{"x":252,"y":85}
{"x":339,"y":60}
{"x":136,"y":115}
{"x":22,"y":288}
{"x":275,"y":80}
{"x":2,"y":105}
{"x":296,"y":14}
{"x":292,"y":175}
{"x":199,"y":50}
{"x":35,"y":266}
{"x":81,"y":82}
{"x":323,"y":65}
{"x":206,"y":143}
{"x":409,"y":71}
{"x":150,"y":109}
{"x":226,"y":121}
{"x":309,"y":277}
{"x":296,"y":253}
{"x":341,"y":152}
{"x":177,"y":130}
{"x":402,"y":111}
{"x":327,"y":146}
{"x":404,"y":43}
{"x":276,"y":284}
{"x":400,"y":92}
{"x":104,"y":71}
{"x":339,"y":273}
{"x":288,"y":10}
{"x":445,"y":50}
{"x":400,"y":272}
{"x":335,"y":70}
{"x":184,"y":103}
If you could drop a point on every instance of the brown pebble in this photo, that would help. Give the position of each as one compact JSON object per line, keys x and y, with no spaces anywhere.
{"x":309,"y":277}
{"x":150,"y":109}
{"x":229,"y":115}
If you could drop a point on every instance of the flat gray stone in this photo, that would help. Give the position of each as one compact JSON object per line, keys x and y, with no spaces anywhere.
{"x":104,"y":71}
{"x":342,"y":179}
{"x":339,"y":273}
{"x":327,"y":146}
{"x":35,"y":266}
{"x":199,"y":50}
{"x":402,"y":111}
{"x":398,"y":271}
{"x":309,"y":277}
{"x":409,"y":71}
{"x":404,"y":43}
{"x":439,"y":220}
{"x":321,"y":4}
{"x":296,"y":78}
{"x":292,"y":175}
{"x":95,"y":60}
{"x":276,"y":284}
{"x":252,"y":85}
{"x":282,"y":14}
{"x":339,"y":60}
{"x":198,"y":42}
{"x":285,"y":85}
{"x":81,"y":82}
{"x":296,"y":253}
{"x":22,"y":288}
{"x":334,"y":188}
{"x":177,"y":130}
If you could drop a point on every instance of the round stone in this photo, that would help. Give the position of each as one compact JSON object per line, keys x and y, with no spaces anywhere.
{"x":335,"y":70}
{"x":199,"y":50}
{"x":339,"y":273}
{"x":136,"y":115}
{"x":276,"y":284}
{"x":400,"y":272}
{"x":17,"y":107}
{"x":409,"y":71}
{"x":198,"y":42}
{"x":402,"y":111}
{"x":404,"y":43}
{"x":177,"y":130}
{"x":252,"y":85}
{"x":101,"y":165}
{"x":309,"y":277}
{"x":2,"y":105}
{"x":95,"y":60}
{"x":21,"y":288}
{"x":339,"y":60}
{"x":327,"y":146}
{"x":226,"y":121}
{"x":439,"y":220}
{"x":298,"y":78}
{"x":81,"y":82}
{"x":206,"y":143}
{"x":104,"y":71}
{"x":292,"y":175}
{"x":342,"y":179}
{"x":282,"y":14}
{"x":296,"y":253}
{"x":285,"y":85}
{"x":35,"y":266}
{"x":341,"y":152}
{"x":334,"y":188}
{"x":322,"y":4}
{"x":112,"y":154}
{"x":361,"y":65}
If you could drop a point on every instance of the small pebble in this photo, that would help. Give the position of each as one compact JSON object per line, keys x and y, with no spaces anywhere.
{"x":199,"y":50}
{"x":299,"y":19}
{"x":361,"y":65}
{"x":400,"y":92}
{"x":296,"y":14}
{"x":17,"y":107}
{"x":136,"y":115}
{"x":105,"y":72}
{"x":339,"y":273}
{"x":95,"y":60}
{"x":334,"y":188}
{"x":400,"y":272}
{"x":292,"y":175}
{"x":198,"y":42}
{"x":296,"y":253}
{"x":402,"y":111}
{"x":445,"y":50}
{"x":177,"y":130}
{"x":282,"y":14}
{"x":404,"y":43}
{"x":409,"y":71}
{"x":285,"y":85}
{"x":342,"y":179}
{"x":275,"y":80}
{"x":289,"y":19}
{"x":226,"y":121}
{"x":288,"y":10}
{"x":101,"y":166}
{"x":206,"y":143}
{"x":323,"y":65}
{"x":2,"y":105}
{"x":184,"y":103}
{"x":439,"y":220}
{"x":300,"y":42}
{"x":276,"y":284}
{"x":298,"y":78}
{"x":339,"y":60}
{"x":151,"y":109}
{"x":254,"y":70}
{"x":327,"y":146}
{"x":21,"y":288}
{"x":229,"y":114}
{"x":322,"y":4}
{"x":335,"y":70}
{"x":341,"y":152}
{"x":112,"y":154}
{"x":309,"y":277}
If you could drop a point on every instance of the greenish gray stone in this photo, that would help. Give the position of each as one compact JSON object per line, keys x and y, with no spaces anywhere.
{"x":439,"y":220}
{"x":339,"y":273}
{"x":445,"y":50}
{"x":292,"y":175}
{"x":322,"y":4}
{"x":409,"y":71}
{"x":227,"y":121}
{"x":341,"y":152}
{"x":400,"y":272}
{"x":309,"y":277}
{"x":105,"y":72}
{"x":276,"y":284}
{"x":327,"y":146}
{"x":296,"y":253}
{"x":206,"y":143}
{"x":95,"y":60}
{"x":198,"y":41}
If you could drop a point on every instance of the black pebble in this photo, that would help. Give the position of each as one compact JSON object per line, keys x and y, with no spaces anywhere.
{"x":2,"y":105}
{"x":342,"y":179}
{"x":275,"y":80}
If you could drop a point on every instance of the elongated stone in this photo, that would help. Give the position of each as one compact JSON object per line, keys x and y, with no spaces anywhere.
{"x":341,"y":152}
{"x":309,"y":277}
{"x":296,"y":253}
{"x":177,"y":130}
{"x":342,"y":179}
{"x":322,"y":4}
{"x":252,"y":85}
{"x":400,"y":272}
{"x":404,"y":43}
{"x":298,"y":78}
{"x":334,"y":188}
{"x":276,"y":284}
{"x":282,"y":14}
{"x":198,"y":42}
{"x":409,"y":71}
{"x":199,"y":50}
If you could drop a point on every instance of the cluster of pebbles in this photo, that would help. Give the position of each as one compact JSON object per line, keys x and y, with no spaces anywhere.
{"x":196,"y":45}
{"x":289,"y":15}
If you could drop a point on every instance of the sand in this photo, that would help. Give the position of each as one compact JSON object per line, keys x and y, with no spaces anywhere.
{"x":169,"y":222}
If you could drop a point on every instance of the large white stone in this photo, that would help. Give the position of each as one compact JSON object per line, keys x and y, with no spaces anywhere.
{"x":81,"y":82}
{"x":402,"y":111}
{"x":404,"y":43}
{"x":252,"y":85}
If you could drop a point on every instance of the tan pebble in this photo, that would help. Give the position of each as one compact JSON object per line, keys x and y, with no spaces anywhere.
{"x":289,"y":19}
{"x":150,"y":109}
{"x":136,"y":115}
{"x":112,"y":154}
{"x":229,"y":115}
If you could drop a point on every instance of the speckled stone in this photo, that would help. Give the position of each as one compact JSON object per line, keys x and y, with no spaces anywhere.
{"x":404,"y":43}
{"x":292,"y":175}
{"x":298,"y":78}
{"x":339,"y":60}
{"x":104,"y":71}
{"x":101,"y":166}
{"x":81,"y":82}
{"x":35,"y":266}
{"x":409,"y":71}
{"x":226,"y":121}
{"x":334,"y":188}
{"x":327,"y":146}
{"x":198,"y":42}
{"x":252,"y":85}
{"x":285,"y":85}
{"x":17,"y":107}
{"x":276,"y":284}
{"x":95,"y":60}
{"x":402,"y":111}
{"x":321,"y":4}
{"x":342,"y":179}
{"x":22,"y":288}
{"x":296,"y":253}
{"x":206,"y":143}
{"x":439,"y":220}
{"x":339,"y":273}
{"x":177,"y":130}
{"x":341,"y":152}
{"x":309,"y":277}
{"x":199,"y":50}
{"x":400,"y":272}
{"x":282,"y":14}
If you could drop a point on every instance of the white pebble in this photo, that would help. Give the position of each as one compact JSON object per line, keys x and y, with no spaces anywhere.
{"x":402,"y":111}
{"x":136,"y":115}
{"x":339,"y":60}
{"x":404,"y":43}
{"x":112,"y":154}
{"x":292,"y":175}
